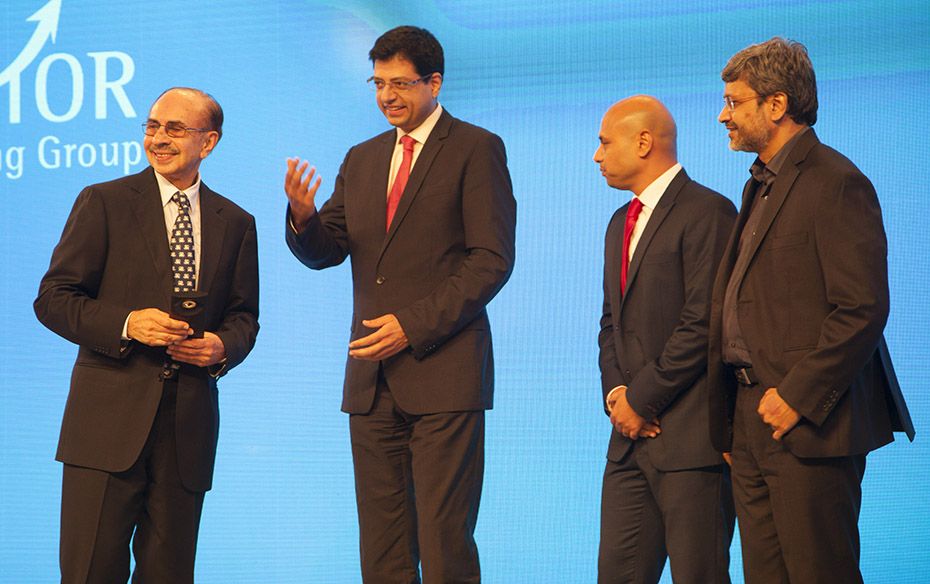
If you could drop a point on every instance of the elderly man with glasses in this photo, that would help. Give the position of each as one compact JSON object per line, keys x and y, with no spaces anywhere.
{"x":156,"y":280}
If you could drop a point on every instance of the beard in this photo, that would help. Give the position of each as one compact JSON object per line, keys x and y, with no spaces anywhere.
{"x":751,"y":136}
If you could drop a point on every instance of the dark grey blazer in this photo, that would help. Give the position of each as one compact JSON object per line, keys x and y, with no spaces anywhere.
{"x":812,"y":306}
{"x":450,"y":249}
{"x":113,"y":258}
{"x":653,"y":339}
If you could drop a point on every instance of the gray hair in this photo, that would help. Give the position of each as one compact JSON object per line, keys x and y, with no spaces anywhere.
{"x":778,"y":65}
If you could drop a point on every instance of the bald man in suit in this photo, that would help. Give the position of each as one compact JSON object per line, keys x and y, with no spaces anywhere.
{"x":666,"y":491}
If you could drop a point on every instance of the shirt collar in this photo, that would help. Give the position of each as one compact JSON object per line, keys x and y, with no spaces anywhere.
{"x":422,"y":132}
{"x":766,"y":173}
{"x":653,"y":193}
{"x":167,"y":190}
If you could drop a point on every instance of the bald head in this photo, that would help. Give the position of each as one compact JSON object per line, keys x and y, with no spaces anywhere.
{"x":210,"y":108}
{"x":644,"y":113}
{"x":638,"y":143}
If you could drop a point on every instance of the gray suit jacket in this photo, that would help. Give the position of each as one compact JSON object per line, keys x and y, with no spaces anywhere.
{"x":653,"y":338}
{"x":112,"y":259}
{"x":448,"y":252}
{"x":812,"y":306}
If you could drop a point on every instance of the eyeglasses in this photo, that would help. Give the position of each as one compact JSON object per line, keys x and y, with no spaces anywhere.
{"x":377,"y":84}
{"x":732,"y":103}
{"x":173,"y":129}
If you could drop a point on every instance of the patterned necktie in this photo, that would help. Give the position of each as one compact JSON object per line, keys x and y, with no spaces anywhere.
{"x":183,"y":262}
{"x":632,"y":214}
{"x":400,"y":181}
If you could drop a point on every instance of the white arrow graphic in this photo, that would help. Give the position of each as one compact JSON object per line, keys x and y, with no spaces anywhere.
{"x":47,"y":17}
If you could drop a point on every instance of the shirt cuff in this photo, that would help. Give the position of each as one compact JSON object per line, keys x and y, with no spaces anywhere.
{"x":125,"y":334}
{"x":290,"y":223}
{"x":610,"y":393}
{"x":219,"y":369}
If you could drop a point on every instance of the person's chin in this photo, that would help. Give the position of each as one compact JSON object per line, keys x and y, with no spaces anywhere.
{"x":396,"y":119}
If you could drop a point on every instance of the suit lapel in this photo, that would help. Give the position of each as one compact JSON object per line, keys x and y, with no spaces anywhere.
{"x":150,"y":216}
{"x":785,"y":179}
{"x":661,"y":211}
{"x":613,"y":259}
{"x":420,"y":170}
{"x":728,"y":262}
{"x":212,"y":234}
{"x":378,"y":181}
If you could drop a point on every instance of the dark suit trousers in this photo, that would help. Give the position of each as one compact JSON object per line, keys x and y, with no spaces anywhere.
{"x":147,"y":504}
{"x":648,"y":515}
{"x":418,"y":485}
{"x":798,"y":517}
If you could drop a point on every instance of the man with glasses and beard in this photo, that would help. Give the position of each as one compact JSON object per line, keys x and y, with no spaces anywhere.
{"x":802,"y":384}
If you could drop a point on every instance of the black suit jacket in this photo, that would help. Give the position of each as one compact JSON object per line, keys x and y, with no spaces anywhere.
{"x":812,"y":306}
{"x":449,"y":250}
{"x":653,"y":338}
{"x":113,"y":258}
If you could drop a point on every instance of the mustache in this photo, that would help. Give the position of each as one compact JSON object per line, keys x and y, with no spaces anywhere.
{"x":159,"y":149}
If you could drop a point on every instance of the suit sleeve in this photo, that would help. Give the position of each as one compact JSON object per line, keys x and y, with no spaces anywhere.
{"x":607,"y":351}
{"x":489,"y":224}
{"x":67,"y":302}
{"x":684,"y":356}
{"x":240,"y":319}
{"x":324,"y":241}
{"x":852,"y":252}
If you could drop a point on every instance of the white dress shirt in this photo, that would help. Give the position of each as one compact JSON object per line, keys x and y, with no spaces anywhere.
{"x":167,"y":190}
{"x":420,"y":134}
{"x":650,"y":198}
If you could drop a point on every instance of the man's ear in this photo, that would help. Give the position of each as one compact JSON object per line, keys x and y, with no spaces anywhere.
{"x":435,"y":83}
{"x":209,"y":144}
{"x":777,"y":106}
{"x":644,"y":143}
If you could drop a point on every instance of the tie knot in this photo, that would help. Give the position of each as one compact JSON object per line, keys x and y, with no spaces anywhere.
{"x":635,"y":207}
{"x":181,"y":200}
{"x":407,"y":142}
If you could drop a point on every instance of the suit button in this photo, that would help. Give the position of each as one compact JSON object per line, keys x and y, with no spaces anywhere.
{"x":627,"y":372}
{"x":379,"y":280}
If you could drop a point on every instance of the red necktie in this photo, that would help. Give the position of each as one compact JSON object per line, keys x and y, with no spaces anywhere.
{"x":400,"y":181}
{"x":632,"y":213}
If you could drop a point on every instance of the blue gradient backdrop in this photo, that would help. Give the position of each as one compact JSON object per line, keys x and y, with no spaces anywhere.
{"x":540,"y":73}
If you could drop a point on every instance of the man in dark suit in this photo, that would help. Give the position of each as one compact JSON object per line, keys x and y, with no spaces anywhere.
{"x":666,"y":491}
{"x":802,"y":384}
{"x":139,"y":433}
{"x":427,"y":214}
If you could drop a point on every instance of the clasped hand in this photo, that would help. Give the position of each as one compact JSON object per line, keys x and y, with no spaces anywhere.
{"x":627,"y":421}
{"x":155,"y":328}
{"x":388,"y":340}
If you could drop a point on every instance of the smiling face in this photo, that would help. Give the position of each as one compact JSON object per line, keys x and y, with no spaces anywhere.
{"x":405,"y":109}
{"x":748,"y":127}
{"x":178,"y":159}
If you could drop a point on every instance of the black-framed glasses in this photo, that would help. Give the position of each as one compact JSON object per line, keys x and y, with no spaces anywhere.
{"x":173,"y":129}
{"x":732,"y":103}
{"x":377,"y":84}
